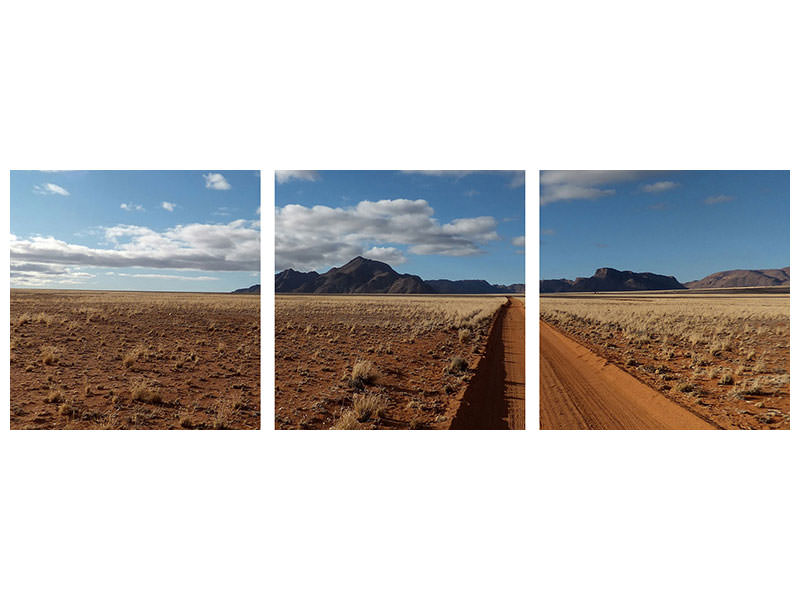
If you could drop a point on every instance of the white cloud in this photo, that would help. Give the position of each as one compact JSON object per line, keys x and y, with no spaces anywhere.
{"x":215,"y":181}
{"x":232,"y":247}
{"x":518,"y":241}
{"x":43,"y":275}
{"x":50,"y":189}
{"x":168,"y":206}
{"x":164,"y":276}
{"x":312,"y":237}
{"x":659,"y":186}
{"x":392,"y":256}
{"x":130,"y":207}
{"x":564,"y":186}
{"x":286,"y":176}
{"x":718,"y":199}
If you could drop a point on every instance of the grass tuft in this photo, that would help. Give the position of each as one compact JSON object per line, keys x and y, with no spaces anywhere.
{"x":145,"y":391}
{"x":368,"y":405}
{"x":363,"y":373}
{"x":348,"y":420}
{"x":457,"y":365}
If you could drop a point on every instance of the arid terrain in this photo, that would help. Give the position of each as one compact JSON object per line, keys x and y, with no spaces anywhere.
{"x":134,"y":360}
{"x":399,"y":362}
{"x":721,"y":359}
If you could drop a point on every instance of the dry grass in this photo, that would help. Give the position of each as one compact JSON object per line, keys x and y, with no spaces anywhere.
{"x":701,"y":343}
{"x":134,"y":355}
{"x":348,"y":420}
{"x":457,"y":365}
{"x":329,"y":346}
{"x":368,"y":405}
{"x":49,"y":355}
{"x":143,"y":390}
{"x":364,"y":373}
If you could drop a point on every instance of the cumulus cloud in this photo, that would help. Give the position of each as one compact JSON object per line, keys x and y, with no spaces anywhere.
{"x":564,"y":186}
{"x":50,"y":189}
{"x":286,"y":176}
{"x":392,"y":256}
{"x":130,"y":207}
{"x":313,"y":237}
{"x":215,"y":181}
{"x":234,"y":246}
{"x":518,"y":241}
{"x":718,"y":199}
{"x":168,"y":206}
{"x":659,"y":186}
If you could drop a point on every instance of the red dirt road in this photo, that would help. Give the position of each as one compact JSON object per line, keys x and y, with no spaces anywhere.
{"x":580,"y":390}
{"x":495,"y":398}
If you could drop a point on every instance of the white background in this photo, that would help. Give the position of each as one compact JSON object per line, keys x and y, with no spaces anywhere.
{"x":412,"y":85}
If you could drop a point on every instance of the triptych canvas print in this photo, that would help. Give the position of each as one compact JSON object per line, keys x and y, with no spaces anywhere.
{"x":399,"y":300}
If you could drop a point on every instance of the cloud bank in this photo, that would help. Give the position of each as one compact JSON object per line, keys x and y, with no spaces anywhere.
{"x":235,"y":246}
{"x":311,"y":238}
{"x":564,"y":186}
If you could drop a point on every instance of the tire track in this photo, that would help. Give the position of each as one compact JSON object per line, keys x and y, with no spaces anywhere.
{"x":495,"y":397}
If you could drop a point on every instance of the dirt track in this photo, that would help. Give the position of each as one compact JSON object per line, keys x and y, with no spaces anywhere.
{"x":580,"y":390}
{"x":495,"y":398}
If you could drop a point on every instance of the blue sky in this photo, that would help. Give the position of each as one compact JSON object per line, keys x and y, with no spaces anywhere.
{"x":683,"y":223}
{"x":435,"y":224}
{"x":135,"y":230}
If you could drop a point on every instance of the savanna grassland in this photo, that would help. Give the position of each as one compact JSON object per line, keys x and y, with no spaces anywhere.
{"x":725,"y":357}
{"x":376,"y":362}
{"x":134,"y":360}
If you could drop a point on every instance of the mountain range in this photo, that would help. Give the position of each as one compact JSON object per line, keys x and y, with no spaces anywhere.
{"x":612,"y":280}
{"x":253,"y":289}
{"x":742,"y":278}
{"x":365,"y":276}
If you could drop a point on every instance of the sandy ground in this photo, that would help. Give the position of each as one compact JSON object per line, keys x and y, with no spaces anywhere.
{"x":495,"y":397}
{"x":723,"y":357}
{"x":114,"y":360}
{"x":320,"y":338}
{"x":580,"y":390}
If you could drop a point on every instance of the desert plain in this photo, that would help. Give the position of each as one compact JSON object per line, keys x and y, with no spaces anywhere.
{"x":665,"y":360}
{"x":399,"y":362}
{"x":134,"y":360}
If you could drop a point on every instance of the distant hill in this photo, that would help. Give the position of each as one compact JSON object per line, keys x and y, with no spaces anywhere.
{"x":611,"y":280}
{"x":291,"y":280}
{"x":364,"y":276}
{"x":253,"y":289}
{"x":742,"y":278}
{"x":473,"y":286}
{"x":359,"y":276}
